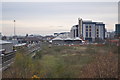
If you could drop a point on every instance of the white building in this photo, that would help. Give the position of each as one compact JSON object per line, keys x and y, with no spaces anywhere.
{"x":89,"y":30}
{"x":93,"y":30}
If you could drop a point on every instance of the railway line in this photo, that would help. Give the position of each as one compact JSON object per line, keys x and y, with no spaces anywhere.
{"x":8,"y":59}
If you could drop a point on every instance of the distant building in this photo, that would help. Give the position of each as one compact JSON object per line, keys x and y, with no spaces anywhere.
{"x":117,"y":30}
{"x":62,"y":34}
{"x":6,"y":46}
{"x":109,"y":35}
{"x":67,"y":41}
{"x":65,"y":38}
{"x":29,"y":39}
{"x":56,"y":34}
{"x":48,"y":37}
{"x":89,"y":30}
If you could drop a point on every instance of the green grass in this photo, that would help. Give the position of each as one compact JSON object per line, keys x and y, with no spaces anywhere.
{"x":63,"y":61}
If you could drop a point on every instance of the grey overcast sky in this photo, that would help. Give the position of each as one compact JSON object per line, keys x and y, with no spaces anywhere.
{"x":60,"y":0}
{"x":49,"y":17}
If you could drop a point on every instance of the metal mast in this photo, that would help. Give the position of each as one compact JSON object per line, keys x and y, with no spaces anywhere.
{"x":14,"y":28}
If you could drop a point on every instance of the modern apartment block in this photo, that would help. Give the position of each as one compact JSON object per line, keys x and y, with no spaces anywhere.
{"x":88,"y":30}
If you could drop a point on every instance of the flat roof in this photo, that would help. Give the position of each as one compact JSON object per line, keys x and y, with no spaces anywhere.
{"x":4,"y":42}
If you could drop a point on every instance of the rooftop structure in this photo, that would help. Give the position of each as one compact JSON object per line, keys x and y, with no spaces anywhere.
{"x":7,"y":46}
{"x":4,"y":42}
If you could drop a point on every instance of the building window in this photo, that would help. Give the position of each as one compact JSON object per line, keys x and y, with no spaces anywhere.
{"x":86,"y":29}
{"x":86,"y":26}
{"x":97,"y":32}
{"x":86,"y":34}
{"x":97,"y":29}
{"x":89,"y":26}
{"x":89,"y":34}
{"x":89,"y":29}
{"x":97,"y":36}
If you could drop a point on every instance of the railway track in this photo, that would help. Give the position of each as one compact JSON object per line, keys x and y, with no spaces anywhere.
{"x":8,"y":57}
{"x":6,"y":60}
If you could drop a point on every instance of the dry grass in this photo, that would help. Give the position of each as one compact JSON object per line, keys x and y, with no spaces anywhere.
{"x":104,"y":66}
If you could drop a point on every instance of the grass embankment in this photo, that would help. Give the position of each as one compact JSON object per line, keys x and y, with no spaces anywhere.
{"x":66,"y":62}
